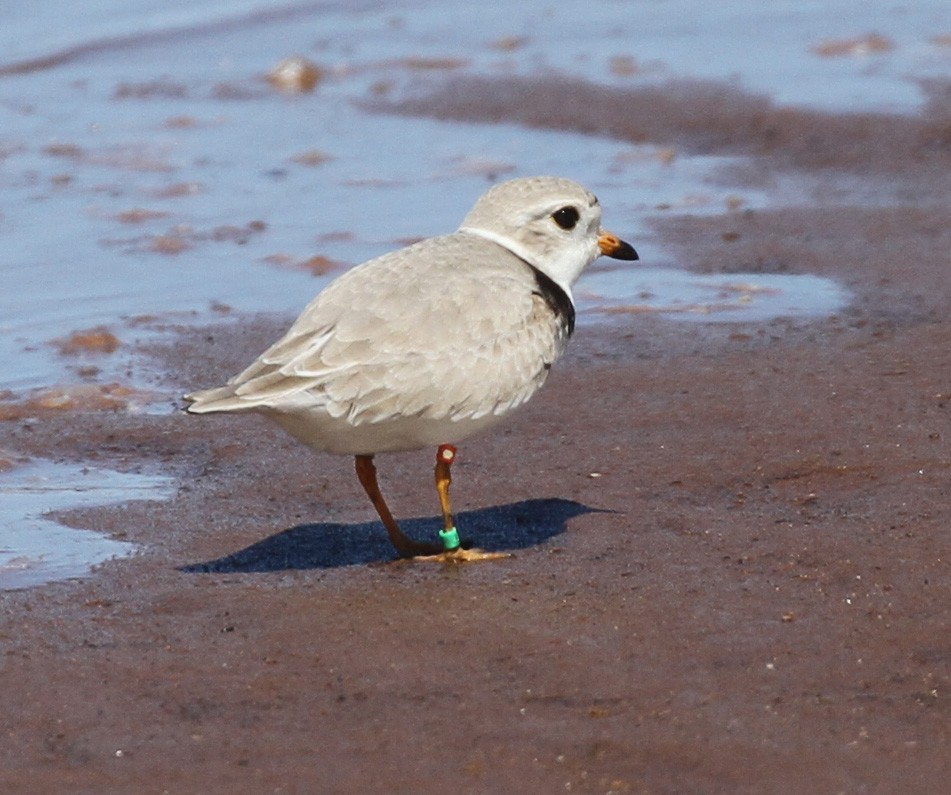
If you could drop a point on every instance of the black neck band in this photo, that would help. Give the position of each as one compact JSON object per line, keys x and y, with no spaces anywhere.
{"x":556,"y":298}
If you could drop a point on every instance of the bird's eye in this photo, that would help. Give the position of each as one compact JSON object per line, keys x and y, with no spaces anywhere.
{"x":566,"y":217}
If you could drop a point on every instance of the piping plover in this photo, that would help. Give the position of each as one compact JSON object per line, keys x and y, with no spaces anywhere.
{"x":430,"y":344}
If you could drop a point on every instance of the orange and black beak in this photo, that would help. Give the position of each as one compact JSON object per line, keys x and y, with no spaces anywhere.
{"x":612,"y":246}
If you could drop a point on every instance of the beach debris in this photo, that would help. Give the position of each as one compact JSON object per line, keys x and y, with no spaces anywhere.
{"x":169,"y":244}
{"x":181,"y":237}
{"x":869,"y":44}
{"x":125,"y":157}
{"x":624,"y":66}
{"x":295,"y":75}
{"x":69,"y":151}
{"x":137,"y":215}
{"x":93,"y":340}
{"x":177,"y":190}
{"x":641,"y":154}
{"x":152,"y":89}
{"x":318,"y":265}
{"x":312,"y":157}
{"x":182,"y":122}
{"x":62,"y":398}
{"x":230,"y":233}
{"x":509,"y":43}
{"x":433,"y":64}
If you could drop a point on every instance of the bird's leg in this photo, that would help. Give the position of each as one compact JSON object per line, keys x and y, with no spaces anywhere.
{"x":453,"y":551}
{"x":444,"y":458}
{"x":405,"y":546}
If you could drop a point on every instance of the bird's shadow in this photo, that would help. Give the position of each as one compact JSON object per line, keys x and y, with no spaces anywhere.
{"x":326,"y":545}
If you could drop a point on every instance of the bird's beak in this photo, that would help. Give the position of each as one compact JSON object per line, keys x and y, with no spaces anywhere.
{"x":612,"y":246}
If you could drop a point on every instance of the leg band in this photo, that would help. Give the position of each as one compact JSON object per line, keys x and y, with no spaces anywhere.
{"x":450,"y":539}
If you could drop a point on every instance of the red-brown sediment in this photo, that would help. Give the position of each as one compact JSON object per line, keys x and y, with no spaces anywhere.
{"x":752,"y":595}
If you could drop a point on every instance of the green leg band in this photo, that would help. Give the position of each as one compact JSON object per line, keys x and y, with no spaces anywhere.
{"x":450,"y":539}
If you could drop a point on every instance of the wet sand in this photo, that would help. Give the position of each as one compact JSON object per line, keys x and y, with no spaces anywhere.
{"x":731,"y":543}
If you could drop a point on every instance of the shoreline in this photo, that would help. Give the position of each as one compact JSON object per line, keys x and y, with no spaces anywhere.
{"x":730,"y":574}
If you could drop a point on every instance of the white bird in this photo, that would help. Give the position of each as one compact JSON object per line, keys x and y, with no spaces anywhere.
{"x":432,"y":343}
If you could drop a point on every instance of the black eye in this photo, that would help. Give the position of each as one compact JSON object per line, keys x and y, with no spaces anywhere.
{"x":566,"y":217}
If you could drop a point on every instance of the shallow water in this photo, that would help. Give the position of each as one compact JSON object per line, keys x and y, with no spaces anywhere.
{"x":708,"y":298}
{"x":148,"y":169}
{"x":34,"y":549}
{"x":150,"y":175}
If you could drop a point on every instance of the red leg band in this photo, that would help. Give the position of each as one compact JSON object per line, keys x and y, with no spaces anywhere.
{"x":446,"y":454}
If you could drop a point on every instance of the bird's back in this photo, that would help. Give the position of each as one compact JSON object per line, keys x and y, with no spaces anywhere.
{"x":447,"y":334}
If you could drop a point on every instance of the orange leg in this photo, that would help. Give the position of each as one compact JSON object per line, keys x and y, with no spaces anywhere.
{"x":405,"y":546}
{"x":454,"y":553}
{"x":444,"y":458}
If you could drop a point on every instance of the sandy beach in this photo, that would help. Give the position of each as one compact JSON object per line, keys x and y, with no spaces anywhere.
{"x":730,"y":541}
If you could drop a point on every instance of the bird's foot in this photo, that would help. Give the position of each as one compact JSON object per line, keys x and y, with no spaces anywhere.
{"x":451,"y":551}
{"x":461,"y":555}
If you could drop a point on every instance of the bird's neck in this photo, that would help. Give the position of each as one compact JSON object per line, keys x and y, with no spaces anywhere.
{"x":525,"y":255}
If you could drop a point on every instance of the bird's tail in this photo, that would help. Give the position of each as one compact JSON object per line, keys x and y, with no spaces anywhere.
{"x":209,"y":401}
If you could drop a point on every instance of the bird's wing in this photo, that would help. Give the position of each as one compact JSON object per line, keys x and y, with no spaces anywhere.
{"x":446,"y":328}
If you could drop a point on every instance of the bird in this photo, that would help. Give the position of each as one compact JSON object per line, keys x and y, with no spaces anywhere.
{"x":432,"y":343}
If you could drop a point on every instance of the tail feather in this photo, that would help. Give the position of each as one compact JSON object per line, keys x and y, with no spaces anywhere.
{"x":207,"y":401}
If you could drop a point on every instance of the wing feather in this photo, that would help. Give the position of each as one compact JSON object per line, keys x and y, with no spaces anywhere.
{"x":448,"y":328}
